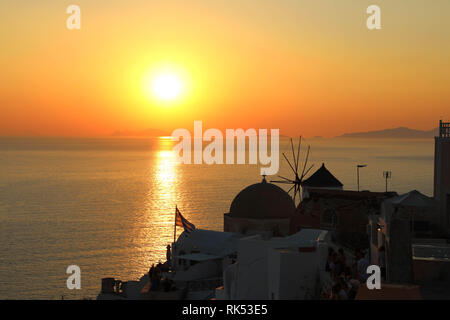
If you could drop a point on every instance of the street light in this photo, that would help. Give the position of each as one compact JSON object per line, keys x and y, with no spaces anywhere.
{"x":357,"y":171}
{"x":387,"y":175}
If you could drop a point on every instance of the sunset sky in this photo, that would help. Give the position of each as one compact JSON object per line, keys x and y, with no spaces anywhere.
{"x":306,"y":67}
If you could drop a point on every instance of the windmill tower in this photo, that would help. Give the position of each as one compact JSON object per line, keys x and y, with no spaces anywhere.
{"x":297,"y":180}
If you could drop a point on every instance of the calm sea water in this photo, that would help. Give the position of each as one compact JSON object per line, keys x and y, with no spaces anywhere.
{"x":107,"y":205}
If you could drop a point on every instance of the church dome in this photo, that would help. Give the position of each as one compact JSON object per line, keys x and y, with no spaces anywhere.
{"x":262,"y":201}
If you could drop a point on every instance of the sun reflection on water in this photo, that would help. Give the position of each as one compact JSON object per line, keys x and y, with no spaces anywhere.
{"x":163,"y":194}
{"x":166,"y":171}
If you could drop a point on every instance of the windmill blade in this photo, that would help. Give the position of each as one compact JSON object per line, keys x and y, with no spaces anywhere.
{"x":288,"y":162}
{"x":298,"y":153}
{"x":301,"y":179}
{"x":306,"y":161}
{"x":296,"y":182}
{"x":281,"y":181}
{"x":287,"y":179}
{"x":293,"y":156}
{"x":291,"y":188}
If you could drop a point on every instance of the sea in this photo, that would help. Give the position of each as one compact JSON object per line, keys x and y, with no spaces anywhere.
{"x":107,"y":205}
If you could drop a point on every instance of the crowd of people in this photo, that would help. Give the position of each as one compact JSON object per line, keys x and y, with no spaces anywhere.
{"x":157,"y":280}
{"x":346,"y":276}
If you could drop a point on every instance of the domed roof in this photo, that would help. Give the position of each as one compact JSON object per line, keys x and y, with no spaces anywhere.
{"x":262,"y":201}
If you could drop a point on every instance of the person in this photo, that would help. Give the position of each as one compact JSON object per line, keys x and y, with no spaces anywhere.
{"x":382,"y":261}
{"x":158,"y":269}
{"x":353,"y":285}
{"x":333,"y":262}
{"x":341,"y":258}
{"x":327,"y":265}
{"x":154,"y":285}
{"x":362,"y":265}
{"x":151,"y":271}
{"x":167,"y":285}
{"x":335,"y":290}
{"x":168,"y":253}
{"x":348,"y":272}
{"x":342,"y":293}
{"x":343,"y":282}
{"x":339,"y":262}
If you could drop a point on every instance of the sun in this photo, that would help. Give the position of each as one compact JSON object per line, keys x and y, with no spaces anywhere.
{"x":167,"y":86}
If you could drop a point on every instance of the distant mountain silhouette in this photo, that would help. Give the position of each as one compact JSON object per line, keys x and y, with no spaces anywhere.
{"x":158,"y":133}
{"x":143,"y":133}
{"x":400,"y":132}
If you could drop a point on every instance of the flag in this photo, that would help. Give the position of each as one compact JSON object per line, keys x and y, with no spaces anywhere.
{"x":182,"y":222}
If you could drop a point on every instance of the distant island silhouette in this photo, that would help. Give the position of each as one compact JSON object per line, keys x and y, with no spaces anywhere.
{"x":400,"y":132}
{"x":152,"y":133}
{"x":395,"y":133}
{"x":143,"y":133}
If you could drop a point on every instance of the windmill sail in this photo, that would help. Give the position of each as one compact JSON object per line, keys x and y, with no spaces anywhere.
{"x":297,"y":180}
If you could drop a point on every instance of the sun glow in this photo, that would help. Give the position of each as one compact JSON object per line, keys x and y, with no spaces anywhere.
{"x":167,"y":86}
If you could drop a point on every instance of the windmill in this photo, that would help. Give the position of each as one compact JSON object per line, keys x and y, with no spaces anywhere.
{"x":297,"y":181}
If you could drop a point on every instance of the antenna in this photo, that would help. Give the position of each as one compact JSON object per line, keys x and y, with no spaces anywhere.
{"x":297,"y":181}
{"x":387,"y":175}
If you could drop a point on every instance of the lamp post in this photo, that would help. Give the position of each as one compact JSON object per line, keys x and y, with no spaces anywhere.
{"x":387,"y":175}
{"x":357,"y":171}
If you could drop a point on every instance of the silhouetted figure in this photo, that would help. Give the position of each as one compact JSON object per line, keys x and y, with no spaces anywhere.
{"x":335,"y":292}
{"x":353,"y":288}
{"x":167,"y":285}
{"x":154,"y":285}
{"x":329,"y":259}
{"x":168,"y":253}
{"x":151,"y":271}
{"x":341,"y":257}
{"x":343,"y":292}
{"x":333,"y":264}
{"x":340,"y":263}
{"x":362,"y":265}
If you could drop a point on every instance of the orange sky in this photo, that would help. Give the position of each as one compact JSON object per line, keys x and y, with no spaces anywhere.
{"x":306,"y":67}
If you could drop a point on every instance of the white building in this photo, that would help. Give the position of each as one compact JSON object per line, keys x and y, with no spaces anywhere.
{"x":202,"y":254}
{"x":280,"y":268}
{"x":402,"y":218}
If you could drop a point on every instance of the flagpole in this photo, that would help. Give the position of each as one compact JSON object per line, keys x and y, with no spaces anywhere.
{"x":175,"y":226}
